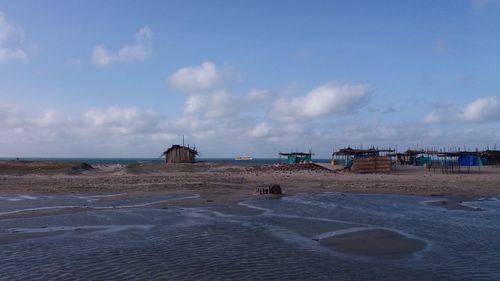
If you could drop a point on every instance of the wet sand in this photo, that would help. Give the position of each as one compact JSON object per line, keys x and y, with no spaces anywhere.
{"x":7,"y":238}
{"x":455,"y":203}
{"x":374,"y":242}
{"x":221,"y":188}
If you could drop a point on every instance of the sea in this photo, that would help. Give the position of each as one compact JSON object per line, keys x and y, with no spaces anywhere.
{"x":127,"y":161}
{"x":116,"y":237}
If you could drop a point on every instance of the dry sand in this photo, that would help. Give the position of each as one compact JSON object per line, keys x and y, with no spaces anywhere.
{"x":219,"y":179}
{"x":221,"y":186}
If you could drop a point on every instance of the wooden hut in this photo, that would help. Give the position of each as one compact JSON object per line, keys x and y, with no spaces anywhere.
{"x":366,"y":160}
{"x":180,"y":154}
{"x":410,"y":157}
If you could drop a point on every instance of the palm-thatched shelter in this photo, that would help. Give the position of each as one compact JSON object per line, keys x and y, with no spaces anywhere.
{"x":180,"y":154}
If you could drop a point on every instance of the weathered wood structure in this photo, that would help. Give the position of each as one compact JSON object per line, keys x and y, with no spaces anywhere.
{"x":372,"y":164}
{"x":180,"y":154}
{"x":370,"y":160}
{"x":409,"y":157}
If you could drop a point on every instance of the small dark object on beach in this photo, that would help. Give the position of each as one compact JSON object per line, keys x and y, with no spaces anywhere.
{"x":210,"y":200}
{"x":82,"y":167}
{"x":86,"y":166}
{"x":275,"y":189}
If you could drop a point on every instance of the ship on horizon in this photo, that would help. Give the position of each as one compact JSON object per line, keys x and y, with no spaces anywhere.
{"x":243,"y":158}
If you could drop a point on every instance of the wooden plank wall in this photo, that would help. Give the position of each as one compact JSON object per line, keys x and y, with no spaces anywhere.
{"x":372,"y":165}
{"x":179,"y":155}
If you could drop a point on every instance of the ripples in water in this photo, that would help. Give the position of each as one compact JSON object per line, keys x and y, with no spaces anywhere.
{"x":290,"y":240}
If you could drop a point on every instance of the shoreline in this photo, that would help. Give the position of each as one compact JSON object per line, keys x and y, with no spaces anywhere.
{"x":221,"y":187}
{"x":229,"y":182}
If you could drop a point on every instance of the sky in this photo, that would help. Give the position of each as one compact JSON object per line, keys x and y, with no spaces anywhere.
{"x":130,"y":78}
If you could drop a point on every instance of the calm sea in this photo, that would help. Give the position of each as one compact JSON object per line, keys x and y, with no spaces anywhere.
{"x":111,"y":240}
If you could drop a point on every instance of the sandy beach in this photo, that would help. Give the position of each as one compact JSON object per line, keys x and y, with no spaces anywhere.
{"x":214,"y":180}
{"x":342,"y":215}
{"x":222,"y":186}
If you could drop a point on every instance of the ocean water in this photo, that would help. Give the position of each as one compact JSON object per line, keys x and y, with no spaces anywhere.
{"x":125,"y":238}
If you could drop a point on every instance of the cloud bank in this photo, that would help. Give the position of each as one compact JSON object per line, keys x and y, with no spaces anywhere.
{"x":192,"y":79}
{"x":329,"y":99}
{"x":140,"y":50}
{"x":481,"y":110}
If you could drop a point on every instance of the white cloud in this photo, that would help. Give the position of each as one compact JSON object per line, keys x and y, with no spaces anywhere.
{"x":196,"y":78}
{"x":329,"y":99}
{"x":213,"y":105}
{"x":485,"y":109}
{"x":9,"y":54}
{"x":10,"y":36}
{"x":207,"y":101}
{"x":46,"y":119}
{"x":481,"y":110}
{"x":260,"y":130}
{"x":194,"y":104}
{"x":141,"y":50}
{"x":9,"y":32}
{"x":258,"y":95}
{"x":109,"y":131}
{"x":445,"y":113}
{"x":163,"y":137}
{"x":132,"y":131}
{"x":123,"y":120}
{"x":221,"y":104}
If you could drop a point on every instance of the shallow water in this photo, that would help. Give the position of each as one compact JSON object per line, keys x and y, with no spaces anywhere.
{"x":138,"y":242}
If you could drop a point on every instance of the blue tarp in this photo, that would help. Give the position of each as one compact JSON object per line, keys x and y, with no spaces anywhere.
{"x":469,"y":160}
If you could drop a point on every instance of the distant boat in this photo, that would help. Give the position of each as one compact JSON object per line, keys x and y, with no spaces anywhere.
{"x":243,"y":158}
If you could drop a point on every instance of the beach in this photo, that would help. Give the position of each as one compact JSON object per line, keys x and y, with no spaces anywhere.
{"x":222,"y":186}
{"x":213,"y":180}
{"x":181,"y":221}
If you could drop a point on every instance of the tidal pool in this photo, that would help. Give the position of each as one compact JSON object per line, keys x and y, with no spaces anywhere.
{"x":330,"y":236}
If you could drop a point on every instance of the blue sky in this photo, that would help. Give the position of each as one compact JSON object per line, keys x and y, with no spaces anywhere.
{"x":129,"y":78}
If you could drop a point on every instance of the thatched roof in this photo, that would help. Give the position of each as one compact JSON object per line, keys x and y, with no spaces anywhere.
{"x":175,"y":146}
{"x":352,"y":151}
{"x":296,"y":153}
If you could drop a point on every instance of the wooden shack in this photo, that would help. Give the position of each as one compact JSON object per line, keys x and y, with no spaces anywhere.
{"x":370,"y":160}
{"x":410,"y":157}
{"x":180,"y":154}
{"x":372,"y":164}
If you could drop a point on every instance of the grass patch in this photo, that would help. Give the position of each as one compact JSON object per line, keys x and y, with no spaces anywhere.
{"x":34,"y":167}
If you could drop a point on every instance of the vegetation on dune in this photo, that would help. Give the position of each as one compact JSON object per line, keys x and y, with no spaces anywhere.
{"x":42,"y":167}
{"x":151,"y":168}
